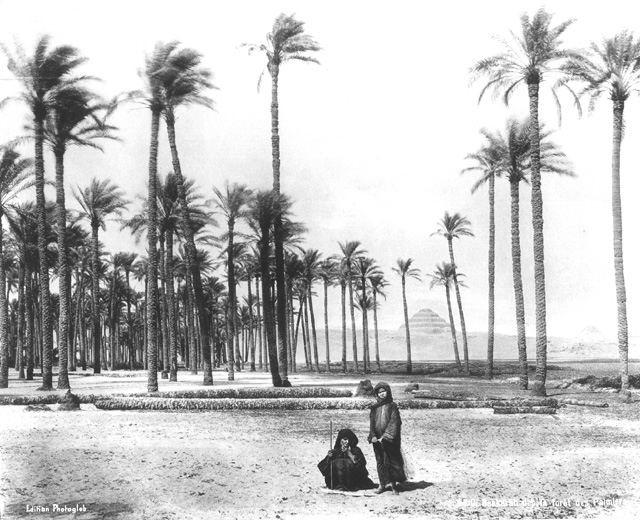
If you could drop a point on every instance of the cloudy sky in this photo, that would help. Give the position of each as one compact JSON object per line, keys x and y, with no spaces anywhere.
{"x":372,"y":139}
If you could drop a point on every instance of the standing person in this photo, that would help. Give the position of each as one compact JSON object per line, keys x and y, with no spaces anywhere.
{"x":345,"y":468}
{"x":384,"y":434}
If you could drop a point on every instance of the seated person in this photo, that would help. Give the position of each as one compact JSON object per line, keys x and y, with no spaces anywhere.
{"x":344,"y":467}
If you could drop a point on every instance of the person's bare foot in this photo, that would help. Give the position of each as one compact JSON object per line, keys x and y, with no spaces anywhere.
{"x":394,"y":488}
{"x":379,"y":490}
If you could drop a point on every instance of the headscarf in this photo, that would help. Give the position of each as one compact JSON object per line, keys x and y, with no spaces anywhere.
{"x":346,"y":433}
{"x":387,"y":399}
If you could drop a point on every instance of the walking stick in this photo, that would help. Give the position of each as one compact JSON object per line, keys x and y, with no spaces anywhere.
{"x":330,"y":447}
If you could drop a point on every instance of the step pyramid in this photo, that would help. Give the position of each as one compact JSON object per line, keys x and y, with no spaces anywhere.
{"x":426,"y":321}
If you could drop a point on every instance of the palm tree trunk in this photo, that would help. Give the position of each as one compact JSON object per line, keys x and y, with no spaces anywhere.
{"x":190,"y":244}
{"x":45,"y":298}
{"x":252,"y":339}
{"x":111,"y":318}
{"x":21,"y":314}
{"x":313,"y":330}
{"x":375,"y":327}
{"x":164,"y":309}
{"x":268,"y":308}
{"x":63,"y":278}
{"x":281,"y":304}
{"x":492,"y":275}
{"x":538,"y":245}
{"x":453,"y":328}
{"x":4,"y":318}
{"x":28,"y":302}
{"x":406,"y":325}
{"x":353,"y":325}
{"x":517,"y":283}
{"x":306,"y":333}
{"x":621,"y":293}
{"x":365,"y":330}
{"x":152,"y":266}
{"x":463,"y":328}
{"x":231,"y":308}
{"x":344,"y":326}
{"x":258,"y":325}
{"x":173,"y":334}
{"x":95,"y":296}
{"x":326,"y":326}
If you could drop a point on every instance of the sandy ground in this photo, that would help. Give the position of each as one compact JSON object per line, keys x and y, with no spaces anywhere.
{"x":580,"y":463}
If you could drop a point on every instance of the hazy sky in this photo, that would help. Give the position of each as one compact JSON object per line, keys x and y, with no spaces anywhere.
{"x":372,"y":140}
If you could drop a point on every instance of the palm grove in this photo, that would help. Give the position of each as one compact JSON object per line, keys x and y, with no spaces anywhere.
{"x":189,"y":311}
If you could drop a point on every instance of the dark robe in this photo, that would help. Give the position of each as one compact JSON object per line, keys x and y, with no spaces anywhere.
{"x":340,"y":472}
{"x":385,"y":425}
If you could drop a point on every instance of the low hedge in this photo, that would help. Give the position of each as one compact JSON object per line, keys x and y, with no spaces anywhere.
{"x":44,"y":399}
{"x":250,"y":393}
{"x":149,"y":403}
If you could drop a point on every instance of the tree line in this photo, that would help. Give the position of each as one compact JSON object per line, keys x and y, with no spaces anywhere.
{"x":186,"y":312}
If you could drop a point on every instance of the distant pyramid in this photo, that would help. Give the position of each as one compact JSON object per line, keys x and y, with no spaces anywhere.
{"x":426,"y":321}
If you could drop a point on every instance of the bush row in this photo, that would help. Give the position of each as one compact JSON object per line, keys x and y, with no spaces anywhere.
{"x":146,"y":403}
{"x":250,"y":393}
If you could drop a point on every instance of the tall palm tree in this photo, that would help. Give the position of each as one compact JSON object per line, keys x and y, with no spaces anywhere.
{"x":287,"y":41}
{"x":126,"y":261}
{"x":513,"y":147}
{"x":444,"y":276}
{"x":24,"y":233}
{"x":365,"y":269}
{"x":378,"y":283}
{"x":311,"y":262}
{"x":341,"y":277}
{"x":181,"y":82}
{"x":98,"y":201}
{"x":15,"y":173}
{"x":151,"y":96}
{"x":327,"y":274}
{"x":350,"y":252}
{"x":456,"y":226}
{"x":531,"y":58}
{"x":263,"y":209}
{"x":78,"y":118}
{"x":232,"y":202}
{"x":43,"y":75}
{"x":405,"y":271}
{"x":488,"y":162}
{"x":614,"y":71}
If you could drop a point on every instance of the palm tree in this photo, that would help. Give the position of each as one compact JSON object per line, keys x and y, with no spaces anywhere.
{"x":287,"y":41}
{"x":98,"y":201}
{"x":263,"y":209}
{"x":77,"y":117}
{"x":488,"y":162}
{"x":24,"y":232}
{"x":180,"y":82}
{"x":513,"y":147}
{"x":378,"y":283}
{"x":615,"y":71}
{"x":15,"y":173}
{"x":127,"y":261}
{"x":311,"y":262}
{"x":327,"y":274}
{"x":350,"y":252}
{"x":456,"y":226}
{"x":43,"y":75}
{"x":405,"y":271}
{"x":531,"y":58}
{"x":152,"y":97}
{"x":365,"y":269}
{"x":233,"y":205}
{"x":444,"y":276}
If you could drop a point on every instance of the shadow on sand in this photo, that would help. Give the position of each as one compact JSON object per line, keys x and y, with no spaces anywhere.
{"x":413,"y":486}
